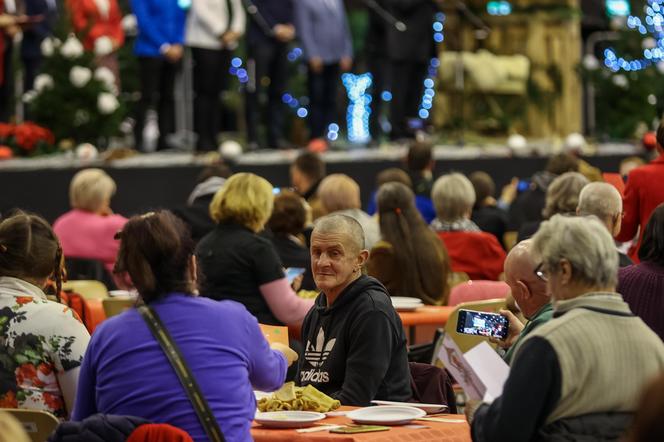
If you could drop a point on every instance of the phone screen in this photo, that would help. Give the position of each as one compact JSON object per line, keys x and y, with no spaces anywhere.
{"x":293,"y":272}
{"x":482,"y":324}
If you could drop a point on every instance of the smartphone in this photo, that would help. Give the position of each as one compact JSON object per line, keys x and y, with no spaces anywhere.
{"x":353,"y":429}
{"x":293,"y":272}
{"x":482,"y":324}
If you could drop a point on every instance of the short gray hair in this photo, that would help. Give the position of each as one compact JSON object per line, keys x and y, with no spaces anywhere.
{"x":337,"y":223}
{"x":600,"y":199}
{"x":562,"y":196}
{"x":453,"y":196}
{"x":585,"y":243}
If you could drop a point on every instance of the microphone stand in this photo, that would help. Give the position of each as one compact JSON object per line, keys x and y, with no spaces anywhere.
{"x":255,"y":14}
{"x":385,"y":15}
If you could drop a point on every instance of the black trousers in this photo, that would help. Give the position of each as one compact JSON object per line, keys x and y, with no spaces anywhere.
{"x":157,"y":79}
{"x":7,"y":86}
{"x":266,"y":61}
{"x":322,"y":99}
{"x":407,"y":89}
{"x":31,"y":67}
{"x":379,"y":66}
{"x":210,"y":74}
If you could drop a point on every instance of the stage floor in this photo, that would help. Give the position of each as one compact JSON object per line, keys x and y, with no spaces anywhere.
{"x":164,"y":180}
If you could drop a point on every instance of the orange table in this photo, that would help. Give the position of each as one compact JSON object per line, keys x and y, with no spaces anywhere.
{"x":436,"y":431}
{"x":430,"y":315}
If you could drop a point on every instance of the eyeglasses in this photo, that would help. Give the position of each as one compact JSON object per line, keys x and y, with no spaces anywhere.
{"x":540,"y":273}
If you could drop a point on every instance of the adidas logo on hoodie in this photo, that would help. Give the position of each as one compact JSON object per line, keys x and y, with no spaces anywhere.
{"x":316,"y":355}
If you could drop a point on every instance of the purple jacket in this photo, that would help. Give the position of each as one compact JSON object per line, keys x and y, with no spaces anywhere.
{"x":125,"y":372}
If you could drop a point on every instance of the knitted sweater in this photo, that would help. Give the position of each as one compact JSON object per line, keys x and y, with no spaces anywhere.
{"x":642,"y":287}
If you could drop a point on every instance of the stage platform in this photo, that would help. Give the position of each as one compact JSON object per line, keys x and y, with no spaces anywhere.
{"x":164,"y":180}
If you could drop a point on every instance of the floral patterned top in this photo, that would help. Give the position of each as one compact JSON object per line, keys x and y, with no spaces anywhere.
{"x":41,"y":348}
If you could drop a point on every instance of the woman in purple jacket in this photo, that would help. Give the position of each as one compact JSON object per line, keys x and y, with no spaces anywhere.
{"x":125,"y":371}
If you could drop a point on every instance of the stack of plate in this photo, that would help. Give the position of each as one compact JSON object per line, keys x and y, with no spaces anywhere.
{"x":406,"y":304}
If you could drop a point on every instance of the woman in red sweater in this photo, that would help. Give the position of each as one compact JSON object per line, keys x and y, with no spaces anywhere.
{"x":643,"y":193}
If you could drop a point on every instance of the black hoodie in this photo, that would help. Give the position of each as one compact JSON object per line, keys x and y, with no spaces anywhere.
{"x":355,"y":350}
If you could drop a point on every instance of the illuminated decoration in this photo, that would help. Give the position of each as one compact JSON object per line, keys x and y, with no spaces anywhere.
{"x":184,"y":4}
{"x":429,"y":91}
{"x":237,"y":70}
{"x":653,"y":51}
{"x":499,"y":8}
{"x":333,"y":132}
{"x":357,"y":115}
{"x":617,"y":8}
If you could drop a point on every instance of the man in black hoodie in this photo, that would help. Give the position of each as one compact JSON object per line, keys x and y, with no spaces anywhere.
{"x":355,"y":347}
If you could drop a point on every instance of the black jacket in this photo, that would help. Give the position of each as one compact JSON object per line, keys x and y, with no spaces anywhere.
{"x":355,"y":350}
{"x":416,"y":43}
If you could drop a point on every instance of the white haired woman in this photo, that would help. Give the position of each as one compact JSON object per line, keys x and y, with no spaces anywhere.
{"x":88,"y":230}
{"x":579,"y":376}
{"x":477,"y":253}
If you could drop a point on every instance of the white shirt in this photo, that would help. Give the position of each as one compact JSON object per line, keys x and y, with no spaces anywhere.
{"x":208,"y":21}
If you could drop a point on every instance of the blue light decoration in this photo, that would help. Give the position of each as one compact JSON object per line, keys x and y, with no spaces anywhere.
{"x":429,"y":91}
{"x":184,"y":4}
{"x":499,"y":8}
{"x":359,"y":110}
{"x":617,"y":8}
{"x":653,"y":24}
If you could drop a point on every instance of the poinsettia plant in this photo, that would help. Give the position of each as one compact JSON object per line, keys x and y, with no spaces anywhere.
{"x":25,"y":140}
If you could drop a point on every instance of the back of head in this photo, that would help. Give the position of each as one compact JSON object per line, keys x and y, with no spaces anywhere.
{"x":339,"y":192}
{"x":393,"y":174}
{"x":90,"y":190}
{"x":29,"y":249}
{"x":600,"y":199}
{"x":418,"y":252}
{"x":648,"y":423}
{"x":561,"y":163}
{"x":245,"y":199}
{"x":562,"y":196}
{"x":220,"y":170}
{"x":453,"y":197}
{"x":311,"y":165}
{"x":483,"y":185}
{"x":585,"y":243}
{"x":344,"y":225}
{"x":155,"y":250}
{"x":419,"y":157}
{"x":652,"y":246}
{"x":288,"y":215}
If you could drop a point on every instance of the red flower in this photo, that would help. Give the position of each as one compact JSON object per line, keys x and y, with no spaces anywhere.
{"x":5,"y":152}
{"x":22,"y":300}
{"x":28,"y":134}
{"x":52,"y":401}
{"x":6,"y":130}
{"x":45,"y":369}
{"x":8,"y":400}
{"x":26,"y":374}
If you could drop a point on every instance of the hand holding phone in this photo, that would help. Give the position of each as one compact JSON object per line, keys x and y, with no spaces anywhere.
{"x":482,"y":324}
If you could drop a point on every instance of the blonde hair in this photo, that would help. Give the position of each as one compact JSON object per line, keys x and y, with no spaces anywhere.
{"x":246,"y":199}
{"x":90,"y":189}
{"x":562,"y":196}
{"x":453,"y":197}
{"x":339,"y":192}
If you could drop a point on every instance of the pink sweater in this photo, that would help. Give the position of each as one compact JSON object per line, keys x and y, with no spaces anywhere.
{"x":88,"y":235}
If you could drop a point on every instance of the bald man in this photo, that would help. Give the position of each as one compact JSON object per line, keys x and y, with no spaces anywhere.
{"x":529,"y":292}
{"x":355,"y":346}
{"x":605,"y":202}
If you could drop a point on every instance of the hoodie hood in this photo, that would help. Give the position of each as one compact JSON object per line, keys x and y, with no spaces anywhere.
{"x":360,"y":285}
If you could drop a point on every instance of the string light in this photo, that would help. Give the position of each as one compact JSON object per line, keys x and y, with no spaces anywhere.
{"x":358,"y":112}
{"x":499,"y":8}
{"x":426,"y":103}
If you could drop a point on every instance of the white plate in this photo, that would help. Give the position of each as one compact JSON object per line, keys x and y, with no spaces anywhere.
{"x":427,"y":408}
{"x":385,"y":415}
{"x":405,"y":300}
{"x":288,"y":419}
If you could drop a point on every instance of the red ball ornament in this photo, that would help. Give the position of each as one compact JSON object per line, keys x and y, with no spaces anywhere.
{"x":5,"y":153}
{"x":649,"y":141}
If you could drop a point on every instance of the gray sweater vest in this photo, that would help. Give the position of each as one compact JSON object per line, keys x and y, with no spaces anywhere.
{"x":606,"y":355}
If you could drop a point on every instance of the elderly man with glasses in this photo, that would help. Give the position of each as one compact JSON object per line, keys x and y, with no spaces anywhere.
{"x":528,"y":289}
{"x":579,"y":376}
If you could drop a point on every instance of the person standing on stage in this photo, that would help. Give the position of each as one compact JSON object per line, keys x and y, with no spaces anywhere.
{"x":410,"y":52}
{"x":268,"y":36}
{"x":213,"y":30}
{"x":33,"y":35}
{"x":323,"y":29}
{"x":159,"y":50}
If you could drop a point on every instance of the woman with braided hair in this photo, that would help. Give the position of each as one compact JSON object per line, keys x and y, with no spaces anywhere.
{"x":41,"y":342}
